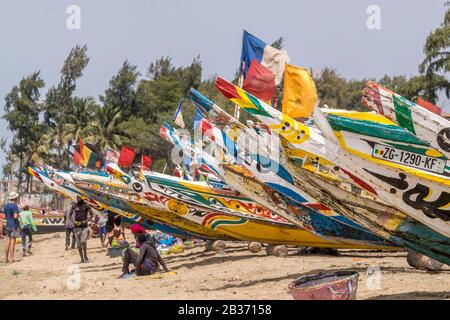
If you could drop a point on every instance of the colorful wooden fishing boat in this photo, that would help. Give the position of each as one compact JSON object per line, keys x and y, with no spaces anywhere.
{"x":285,"y":196}
{"x":134,"y":198}
{"x":421,"y":122}
{"x":390,"y":143}
{"x":381,"y":219}
{"x":246,"y":228}
{"x":406,"y":182}
{"x":424,"y":195}
{"x":428,"y":238}
{"x":63,"y":184}
{"x":201,"y":194}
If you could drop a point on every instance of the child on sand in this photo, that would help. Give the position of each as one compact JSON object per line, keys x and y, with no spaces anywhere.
{"x":26,"y":226}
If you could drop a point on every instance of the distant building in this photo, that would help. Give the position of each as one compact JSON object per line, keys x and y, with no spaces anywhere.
{"x":38,"y":198}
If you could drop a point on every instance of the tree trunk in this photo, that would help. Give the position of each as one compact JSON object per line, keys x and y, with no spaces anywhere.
{"x":28,"y":183}
{"x":19,"y":177}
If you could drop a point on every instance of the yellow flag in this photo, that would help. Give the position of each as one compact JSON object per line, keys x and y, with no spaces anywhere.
{"x":300,"y":94}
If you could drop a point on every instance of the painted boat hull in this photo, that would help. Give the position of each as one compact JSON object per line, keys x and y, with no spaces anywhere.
{"x":70,"y":191}
{"x":285,"y":197}
{"x":421,"y":122}
{"x":423,"y":196}
{"x":312,"y":141}
{"x":327,"y":229}
{"x":383,"y":220}
{"x":236,"y":227}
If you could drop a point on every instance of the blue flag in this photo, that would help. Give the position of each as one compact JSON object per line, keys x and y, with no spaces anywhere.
{"x":252,"y":49}
{"x":269,"y":57}
{"x":178,"y":117}
{"x":197,"y":118}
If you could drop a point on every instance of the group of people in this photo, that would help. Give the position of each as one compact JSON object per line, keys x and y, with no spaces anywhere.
{"x":19,"y":223}
{"x":79,"y":220}
{"x":144,"y":256}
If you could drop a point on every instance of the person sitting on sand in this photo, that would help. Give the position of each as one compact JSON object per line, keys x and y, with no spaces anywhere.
{"x":11,"y":210}
{"x":81,"y":213}
{"x":137,"y":229}
{"x":26,"y":226}
{"x":146,"y":261}
{"x":118,"y":231}
{"x":102,"y":219}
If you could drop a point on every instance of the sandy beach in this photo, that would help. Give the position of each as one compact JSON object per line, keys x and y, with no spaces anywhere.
{"x":236,"y":273}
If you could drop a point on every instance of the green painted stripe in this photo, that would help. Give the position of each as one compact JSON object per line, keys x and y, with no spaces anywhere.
{"x":219,"y":223}
{"x":403,"y":114}
{"x":374,"y":129}
{"x":261,"y":111}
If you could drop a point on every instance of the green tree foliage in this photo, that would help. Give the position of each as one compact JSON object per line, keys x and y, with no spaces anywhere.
{"x":59,"y":102}
{"x":158,"y":96}
{"x":337,"y":92}
{"x":22,"y":114}
{"x":436,"y":65}
{"x":121,"y":93}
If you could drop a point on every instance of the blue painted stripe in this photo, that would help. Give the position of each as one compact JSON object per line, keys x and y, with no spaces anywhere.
{"x":288,"y":192}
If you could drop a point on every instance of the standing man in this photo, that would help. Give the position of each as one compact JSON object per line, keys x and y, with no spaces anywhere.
{"x":27,"y":225}
{"x":81,"y":213}
{"x":102,"y":221}
{"x":11,"y":210}
{"x":68,"y":223}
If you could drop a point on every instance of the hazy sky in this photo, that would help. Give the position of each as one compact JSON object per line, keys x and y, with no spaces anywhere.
{"x":319,"y":33}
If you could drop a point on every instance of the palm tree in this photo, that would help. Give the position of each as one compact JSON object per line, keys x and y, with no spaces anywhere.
{"x":105,"y":130}
{"x":436,"y":64}
{"x":79,"y":122}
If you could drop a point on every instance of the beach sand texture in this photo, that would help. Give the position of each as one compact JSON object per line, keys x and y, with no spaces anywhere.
{"x":236,"y":273}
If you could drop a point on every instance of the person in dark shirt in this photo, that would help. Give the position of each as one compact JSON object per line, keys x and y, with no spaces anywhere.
{"x":11,"y":210}
{"x":81,"y":213}
{"x":146,"y":261}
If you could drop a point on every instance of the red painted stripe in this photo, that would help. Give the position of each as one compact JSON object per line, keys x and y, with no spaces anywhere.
{"x":317,"y":206}
{"x":361,"y":183}
{"x":209,"y":217}
{"x":227,"y":88}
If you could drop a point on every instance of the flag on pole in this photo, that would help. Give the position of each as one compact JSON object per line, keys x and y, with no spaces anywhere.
{"x":76,"y":156}
{"x":198,"y":116}
{"x":146,"y":162}
{"x":256,"y":49}
{"x":260,"y":82}
{"x":300,"y":94}
{"x":178,"y":117}
{"x":88,"y":158}
{"x":126,"y":157}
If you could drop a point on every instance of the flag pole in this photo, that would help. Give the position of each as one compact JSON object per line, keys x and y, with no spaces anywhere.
{"x":237,"y":108}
